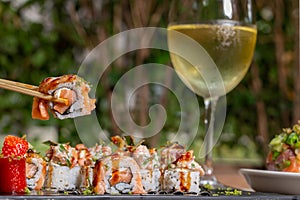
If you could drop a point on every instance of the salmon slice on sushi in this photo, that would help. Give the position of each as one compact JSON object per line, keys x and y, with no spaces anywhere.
{"x":73,"y":89}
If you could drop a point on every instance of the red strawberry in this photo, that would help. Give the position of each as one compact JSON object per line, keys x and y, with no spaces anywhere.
{"x":14,"y":146}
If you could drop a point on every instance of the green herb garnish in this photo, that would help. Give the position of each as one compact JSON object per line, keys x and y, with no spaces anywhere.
{"x":62,"y":148}
{"x":87,"y":191}
{"x":68,"y":162}
{"x":27,"y":190}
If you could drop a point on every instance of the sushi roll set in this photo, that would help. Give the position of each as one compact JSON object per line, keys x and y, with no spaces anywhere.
{"x":129,"y":169}
{"x":121,"y":167}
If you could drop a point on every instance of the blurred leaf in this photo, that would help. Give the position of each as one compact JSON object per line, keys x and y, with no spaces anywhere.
{"x":38,"y":58}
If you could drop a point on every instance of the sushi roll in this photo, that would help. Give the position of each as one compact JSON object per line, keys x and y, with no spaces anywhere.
{"x":181,"y":173}
{"x":87,"y":158}
{"x":181,"y":180}
{"x":35,"y":170}
{"x":94,"y":153}
{"x":117,"y":174}
{"x":70,"y":87}
{"x":147,"y":159}
{"x":63,"y":171}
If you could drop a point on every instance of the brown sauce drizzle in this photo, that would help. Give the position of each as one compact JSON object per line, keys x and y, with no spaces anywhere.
{"x":185,"y":184}
{"x":50,"y":176}
{"x":115,"y":162}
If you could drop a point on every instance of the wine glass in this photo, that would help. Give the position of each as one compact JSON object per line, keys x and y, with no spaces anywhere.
{"x":226,"y":31}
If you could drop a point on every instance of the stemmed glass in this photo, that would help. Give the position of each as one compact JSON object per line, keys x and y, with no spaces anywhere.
{"x":226,"y":33}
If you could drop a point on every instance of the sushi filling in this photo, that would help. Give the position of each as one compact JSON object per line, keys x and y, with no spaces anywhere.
{"x":120,"y":180}
{"x":65,"y":93}
{"x":120,"y":175}
{"x":31,"y":170}
{"x":75,"y":102}
{"x":76,"y":105}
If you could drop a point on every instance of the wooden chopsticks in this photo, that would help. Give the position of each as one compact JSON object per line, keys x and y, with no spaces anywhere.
{"x":28,"y":89}
{"x":24,"y":85}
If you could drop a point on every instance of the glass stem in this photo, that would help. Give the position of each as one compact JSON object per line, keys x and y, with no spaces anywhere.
{"x":210,"y":108}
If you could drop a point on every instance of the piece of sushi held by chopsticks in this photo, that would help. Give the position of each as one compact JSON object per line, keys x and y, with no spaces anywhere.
{"x":70,"y":87}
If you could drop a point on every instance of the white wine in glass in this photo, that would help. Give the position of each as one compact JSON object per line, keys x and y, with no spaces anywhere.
{"x":230,"y":46}
{"x":226,"y":31}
